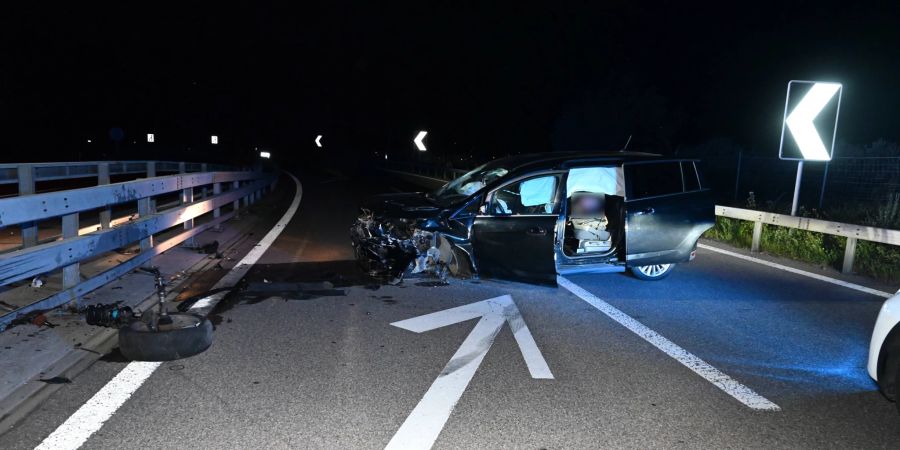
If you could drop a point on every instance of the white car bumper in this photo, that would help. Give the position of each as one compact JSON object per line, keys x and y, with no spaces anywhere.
{"x":887,"y":320}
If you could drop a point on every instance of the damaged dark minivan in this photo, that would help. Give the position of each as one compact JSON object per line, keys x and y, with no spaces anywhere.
{"x":531,"y":217}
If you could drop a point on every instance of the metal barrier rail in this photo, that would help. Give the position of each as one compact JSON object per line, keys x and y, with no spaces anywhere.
{"x":13,"y":173}
{"x":853,"y":233}
{"x":73,"y":248}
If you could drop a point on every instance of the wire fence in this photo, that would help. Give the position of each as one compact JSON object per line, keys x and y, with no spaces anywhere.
{"x":844,"y":182}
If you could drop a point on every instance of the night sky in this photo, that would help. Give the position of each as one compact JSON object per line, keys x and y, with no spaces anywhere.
{"x":482,"y":79}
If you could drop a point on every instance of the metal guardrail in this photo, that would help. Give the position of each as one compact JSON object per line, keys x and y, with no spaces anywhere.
{"x":12,"y":173}
{"x":27,"y":209}
{"x":853,"y":233}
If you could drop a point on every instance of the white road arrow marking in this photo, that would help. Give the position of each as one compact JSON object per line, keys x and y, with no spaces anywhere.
{"x":426,"y":421}
{"x":800,"y":121}
{"x":319,"y":141}
{"x":418,"y":140}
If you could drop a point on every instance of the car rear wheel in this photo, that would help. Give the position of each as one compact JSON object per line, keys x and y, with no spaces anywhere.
{"x":652,"y":272}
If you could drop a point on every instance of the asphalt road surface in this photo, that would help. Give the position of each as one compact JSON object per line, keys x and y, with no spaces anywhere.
{"x":307,"y":357}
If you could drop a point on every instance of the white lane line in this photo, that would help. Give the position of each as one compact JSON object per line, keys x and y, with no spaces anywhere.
{"x":93,"y":414}
{"x":76,"y":430}
{"x":730,"y":386}
{"x":243,"y":266}
{"x":804,"y":273}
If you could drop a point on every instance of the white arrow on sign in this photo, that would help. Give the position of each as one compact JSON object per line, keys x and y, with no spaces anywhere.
{"x":800,"y":121}
{"x":418,"y":140}
{"x":319,"y":141}
{"x":426,"y":421}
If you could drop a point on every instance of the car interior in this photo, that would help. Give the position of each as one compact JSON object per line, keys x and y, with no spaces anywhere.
{"x":594,"y":212}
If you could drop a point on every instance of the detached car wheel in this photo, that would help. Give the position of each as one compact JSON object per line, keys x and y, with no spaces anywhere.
{"x":652,"y":272}
{"x":180,"y":336}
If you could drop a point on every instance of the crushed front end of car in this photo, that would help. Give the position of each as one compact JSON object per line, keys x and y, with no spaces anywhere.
{"x":387,"y":248}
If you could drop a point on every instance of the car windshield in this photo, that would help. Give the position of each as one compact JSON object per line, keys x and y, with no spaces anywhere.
{"x":468,"y":184}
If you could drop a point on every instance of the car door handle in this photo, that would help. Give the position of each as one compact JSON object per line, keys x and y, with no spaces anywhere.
{"x":537,"y":231}
{"x":646,"y":212}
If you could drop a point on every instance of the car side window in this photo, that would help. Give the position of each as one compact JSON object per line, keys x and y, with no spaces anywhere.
{"x":536,"y":195}
{"x":689,"y":172}
{"x":653,"y":179}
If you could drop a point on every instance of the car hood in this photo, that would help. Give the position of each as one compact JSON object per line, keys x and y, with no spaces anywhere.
{"x":407,"y":205}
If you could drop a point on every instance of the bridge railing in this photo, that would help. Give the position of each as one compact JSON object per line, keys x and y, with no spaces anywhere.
{"x":217,"y":190}
{"x":853,"y":233}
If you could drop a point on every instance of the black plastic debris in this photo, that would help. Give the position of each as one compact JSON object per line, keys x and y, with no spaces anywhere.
{"x":210,"y":249}
{"x":56,"y":380}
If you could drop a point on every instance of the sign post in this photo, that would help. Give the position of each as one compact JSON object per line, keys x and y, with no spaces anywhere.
{"x":808,"y":112}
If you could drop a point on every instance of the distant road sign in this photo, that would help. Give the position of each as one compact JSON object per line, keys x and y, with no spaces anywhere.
{"x":319,"y":141}
{"x":811,"y":116}
{"x":419,"y":140}
{"x":150,"y":137}
{"x":214,"y":139}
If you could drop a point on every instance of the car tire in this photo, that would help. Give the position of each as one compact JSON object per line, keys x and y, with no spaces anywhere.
{"x":652,"y":272}
{"x":896,"y":384}
{"x":187,"y":335}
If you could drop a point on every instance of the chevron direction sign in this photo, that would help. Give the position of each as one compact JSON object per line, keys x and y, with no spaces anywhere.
{"x":810,"y":121}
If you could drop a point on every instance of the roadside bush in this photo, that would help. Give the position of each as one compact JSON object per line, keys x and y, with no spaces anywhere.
{"x":738,"y":233}
{"x":879,"y":261}
{"x":875,"y":260}
{"x":802,"y":245}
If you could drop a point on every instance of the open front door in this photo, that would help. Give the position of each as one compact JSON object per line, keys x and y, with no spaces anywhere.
{"x":514,"y":238}
{"x":515,"y":248}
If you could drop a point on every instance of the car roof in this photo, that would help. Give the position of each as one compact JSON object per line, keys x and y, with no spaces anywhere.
{"x":549,"y":160}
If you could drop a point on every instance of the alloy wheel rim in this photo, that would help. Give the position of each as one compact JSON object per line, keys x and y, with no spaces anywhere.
{"x":654,"y":270}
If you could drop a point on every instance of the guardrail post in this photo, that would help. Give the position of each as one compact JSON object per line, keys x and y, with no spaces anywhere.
{"x":203,"y":168}
{"x":144,"y":207}
{"x":151,"y":173}
{"x":849,"y":255}
{"x":757,"y":235}
{"x":217,"y":189}
{"x":187,"y":196}
{"x":103,"y":178}
{"x":72,"y":272}
{"x":235,"y":185}
{"x":26,"y":187}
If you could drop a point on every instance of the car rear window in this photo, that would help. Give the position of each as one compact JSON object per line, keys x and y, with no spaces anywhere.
{"x":652,"y":179}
